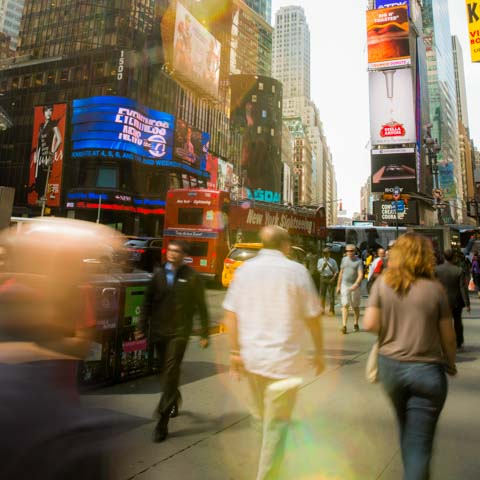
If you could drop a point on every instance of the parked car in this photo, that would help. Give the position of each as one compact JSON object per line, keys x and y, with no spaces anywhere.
{"x":144,"y":252}
{"x":242,"y":252}
{"x":236,"y":256}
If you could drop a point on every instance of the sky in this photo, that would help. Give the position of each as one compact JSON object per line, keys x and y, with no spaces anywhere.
{"x":339,"y":84}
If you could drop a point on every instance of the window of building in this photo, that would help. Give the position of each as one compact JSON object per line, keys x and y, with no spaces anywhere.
{"x":107,"y":177}
{"x":39,"y":79}
{"x":260,"y":85}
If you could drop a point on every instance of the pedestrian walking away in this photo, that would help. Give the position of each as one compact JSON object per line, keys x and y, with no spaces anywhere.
{"x":376,"y":268}
{"x":349,"y":281}
{"x":269,"y":306}
{"x":453,"y":280}
{"x":173,"y":296}
{"x":408,"y":310}
{"x":328,"y":271}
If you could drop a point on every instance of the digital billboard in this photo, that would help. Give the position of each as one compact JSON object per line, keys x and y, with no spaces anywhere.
{"x":473,"y":16}
{"x":225,"y":175}
{"x":191,"y":145}
{"x":388,"y":37}
{"x":120,"y":127}
{"x":46,"y":158}
{"x":395,"y":167}
{"x":392,"y":107}
{"x":196,"y":52}
{"x":389,"y":3}
{"x":385,"y":213}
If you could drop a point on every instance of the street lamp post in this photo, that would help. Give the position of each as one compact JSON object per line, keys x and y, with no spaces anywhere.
{"x":433,"y":149}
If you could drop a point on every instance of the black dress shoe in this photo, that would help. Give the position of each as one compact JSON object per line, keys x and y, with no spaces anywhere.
{"x":161,"y":431}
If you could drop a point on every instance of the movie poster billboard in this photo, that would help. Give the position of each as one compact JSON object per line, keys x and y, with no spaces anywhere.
{"x":46,"y":158}
{"x":196,"y":52}
{"x":446,"y":179}
{"x":225,"y":175}
{"x":392,"y":168}
{"x":191,"y":145}
{"x":388,"y":37}
{"x":473,"y":16}
{"x":212,"y":170}
{"x":392,"y":107}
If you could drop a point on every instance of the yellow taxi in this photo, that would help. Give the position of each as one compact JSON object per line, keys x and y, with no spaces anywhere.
{"x":236,"y":256}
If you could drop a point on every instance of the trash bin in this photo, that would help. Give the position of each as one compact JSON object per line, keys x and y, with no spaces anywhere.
{"x":133,"y":356}
{"x":98,"y":368}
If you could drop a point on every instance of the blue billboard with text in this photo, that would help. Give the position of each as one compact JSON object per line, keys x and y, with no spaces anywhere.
{"x":111,"y":125}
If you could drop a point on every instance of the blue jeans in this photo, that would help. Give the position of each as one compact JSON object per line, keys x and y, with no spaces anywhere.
{"x":418,"y":392}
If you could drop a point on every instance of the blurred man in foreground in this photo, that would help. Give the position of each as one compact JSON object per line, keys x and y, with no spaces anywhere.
{"x":46,"y":434}
{"x":267,"y":307}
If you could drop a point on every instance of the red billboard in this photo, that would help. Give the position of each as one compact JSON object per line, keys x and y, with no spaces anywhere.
{"x":46,"y":157}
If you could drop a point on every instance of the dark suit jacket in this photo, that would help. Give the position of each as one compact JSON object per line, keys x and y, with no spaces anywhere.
{"x":453,"y":280}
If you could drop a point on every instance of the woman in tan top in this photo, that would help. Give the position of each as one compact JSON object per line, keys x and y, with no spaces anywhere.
{"x":408,"y":309}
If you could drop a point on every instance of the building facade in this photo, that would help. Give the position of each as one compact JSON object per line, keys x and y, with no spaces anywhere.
{"x":263,"y":7}
{"x":10,"y":18}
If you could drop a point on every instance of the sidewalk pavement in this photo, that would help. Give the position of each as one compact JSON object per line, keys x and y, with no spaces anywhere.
{"x":343,"y":428}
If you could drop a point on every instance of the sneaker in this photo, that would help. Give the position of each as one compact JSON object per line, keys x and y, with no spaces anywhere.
{"x":356,"y":328}
{"x":344,"y":330}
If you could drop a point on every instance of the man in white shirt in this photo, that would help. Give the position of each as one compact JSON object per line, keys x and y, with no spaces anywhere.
{"x":328,"y":269}
{"x":267,"y":307}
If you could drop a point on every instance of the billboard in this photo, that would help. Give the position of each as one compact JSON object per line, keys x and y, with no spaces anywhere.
{"x":119,"y":127}
{"x":389,"y":3}
{"x":385,"y":213}
{"x":191,"y":145}
{"x":225,"y":175}
{"x":392,"y":107}
{"x":388,"y":39}
{"x":196,"y":52}
{"x":473,"y":16}
{"x":46,"y":158}
{"x":392,"y":168}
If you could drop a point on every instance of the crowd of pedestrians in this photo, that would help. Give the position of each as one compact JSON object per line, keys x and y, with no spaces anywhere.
{"x":414,"y":308}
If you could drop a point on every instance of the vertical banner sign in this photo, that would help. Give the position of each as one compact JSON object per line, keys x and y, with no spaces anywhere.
{"x":46,"y":158}
{"x":473,"y":17}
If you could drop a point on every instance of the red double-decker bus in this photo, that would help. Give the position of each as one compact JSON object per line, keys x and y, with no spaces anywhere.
{"x":211,"y":223}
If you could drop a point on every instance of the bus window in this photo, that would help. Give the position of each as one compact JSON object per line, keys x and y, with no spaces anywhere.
{"x":190,"y":216}
{"x":198,"y":249}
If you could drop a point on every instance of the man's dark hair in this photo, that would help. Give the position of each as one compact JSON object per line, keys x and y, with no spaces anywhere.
{"x":448,"y":254}
{"x":47,"y":107}
{"x":182,"y":244}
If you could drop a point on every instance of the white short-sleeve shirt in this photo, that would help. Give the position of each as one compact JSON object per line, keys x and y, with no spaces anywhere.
{"x":272,"y":297}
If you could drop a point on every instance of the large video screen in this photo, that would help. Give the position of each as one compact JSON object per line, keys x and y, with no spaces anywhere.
{"x":196,"y":52}
{"x":46,"y":159}
{"x":119,"y":127}
{"x":392,"y":112}
{"x":191,"y":145}
{"x":394,"y":168}
{"x":388,"y":37}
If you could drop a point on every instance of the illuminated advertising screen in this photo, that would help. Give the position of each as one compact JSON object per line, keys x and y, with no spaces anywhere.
{"x":120,"y":127}
{"x":225,"y":175}
{"x":389,"y":3}
{"x":388,"y":39}
{"x":473,"y":16}
{"x":196,"y":52}
{"x":46,"y":159}
{"x":395,"y":167}
{"x":392,"y":107}
{"x":191,"y":145}
{"x":212,"y":169}
{"x":407,"y":213}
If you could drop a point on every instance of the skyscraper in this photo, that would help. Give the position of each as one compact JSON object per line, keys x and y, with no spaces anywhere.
{"x":460,"y":81}
{"x":291,"y":53}
{"x":263,"y":7}
{"x":443,"y":101}
{"x":10,"y":17}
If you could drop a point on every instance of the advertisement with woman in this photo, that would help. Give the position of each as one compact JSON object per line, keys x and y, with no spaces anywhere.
{"x":46,"y":158}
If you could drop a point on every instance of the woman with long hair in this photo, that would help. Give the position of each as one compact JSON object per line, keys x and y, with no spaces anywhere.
{"x":409,"y":311}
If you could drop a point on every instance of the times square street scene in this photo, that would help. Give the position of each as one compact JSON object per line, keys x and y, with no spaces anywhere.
{"x":239,"y":239}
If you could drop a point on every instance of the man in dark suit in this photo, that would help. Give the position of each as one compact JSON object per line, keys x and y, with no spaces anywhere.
{"x":453,"y":280}
{"x":174,"y":295}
